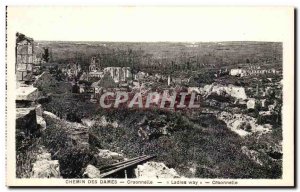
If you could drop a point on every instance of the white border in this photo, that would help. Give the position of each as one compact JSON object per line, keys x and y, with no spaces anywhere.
{"x":80,"y":2}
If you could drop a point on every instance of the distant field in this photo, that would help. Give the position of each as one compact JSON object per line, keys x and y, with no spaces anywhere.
{"x":163,"y":53}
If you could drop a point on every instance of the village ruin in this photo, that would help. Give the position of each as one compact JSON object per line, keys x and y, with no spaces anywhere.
{"x":64,"y":104}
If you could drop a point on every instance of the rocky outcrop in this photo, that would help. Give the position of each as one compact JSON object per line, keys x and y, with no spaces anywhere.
{"x":233,"y":91}
{"x":44,"y":167}
{"x":243,"y":124}
{"x":91,"y":172}
{"x":155,"y":170}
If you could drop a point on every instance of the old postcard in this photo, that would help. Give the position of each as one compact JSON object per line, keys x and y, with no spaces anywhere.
{"x":150,"y":96}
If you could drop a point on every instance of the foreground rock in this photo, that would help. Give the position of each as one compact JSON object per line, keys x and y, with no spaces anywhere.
{"x":91,"y":172}
{"x":26,"y":93}
{"x":44,"y":167}
{"x":155,"y":170}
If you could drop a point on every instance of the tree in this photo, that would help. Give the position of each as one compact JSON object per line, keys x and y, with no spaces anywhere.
{"x":46,"y":55}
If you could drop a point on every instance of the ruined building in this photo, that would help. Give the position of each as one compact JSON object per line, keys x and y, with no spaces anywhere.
{"x":95,"y":65}
{"x":95,"y":68}
{"x":24,"y":58}
{"x":119,"y":74}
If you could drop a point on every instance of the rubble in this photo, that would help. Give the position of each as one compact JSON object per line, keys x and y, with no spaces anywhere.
{"x":242,"y":124}
{"x":91,"y":172}
{"x":44,"y":167}
{"x":233,"y":91}
{"x":155,"y":170}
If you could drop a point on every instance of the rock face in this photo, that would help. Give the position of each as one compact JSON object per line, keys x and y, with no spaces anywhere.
{"x":233,"y":91}
{"x":155,"y":170}
{"x":44,"y":167}
{"x":243,"y":124}
{"x":26,"y":121}
{"x":78,"y":133}
{"x":91,"y":172}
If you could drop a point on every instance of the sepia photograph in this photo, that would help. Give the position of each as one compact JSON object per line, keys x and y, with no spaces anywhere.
{"x":178,"y":105}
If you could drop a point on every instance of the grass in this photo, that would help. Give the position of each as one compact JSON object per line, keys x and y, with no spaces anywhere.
{"x":214,"y":149}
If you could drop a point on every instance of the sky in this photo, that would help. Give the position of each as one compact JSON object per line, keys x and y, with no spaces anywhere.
{"x":179,"y":24}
